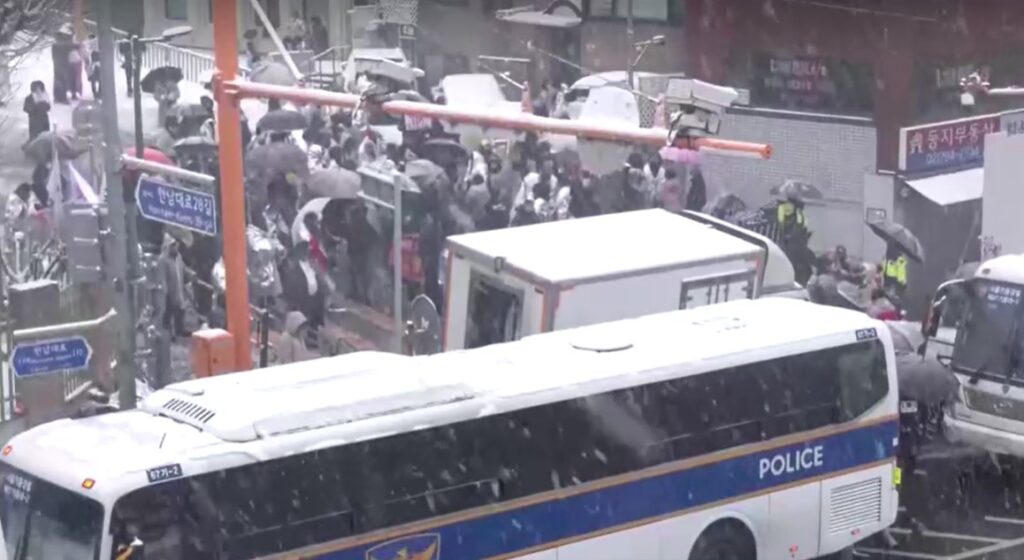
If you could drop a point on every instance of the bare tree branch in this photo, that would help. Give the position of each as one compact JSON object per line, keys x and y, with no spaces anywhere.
{"x":25,"y":25}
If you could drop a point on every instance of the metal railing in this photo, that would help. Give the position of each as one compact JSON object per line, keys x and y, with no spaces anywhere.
{"x":323,"y":69}
{"x":192,"y":64}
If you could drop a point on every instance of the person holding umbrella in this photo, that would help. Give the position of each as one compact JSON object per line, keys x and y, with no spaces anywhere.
{"x":901,"y":245}
{"x":894,"y":271}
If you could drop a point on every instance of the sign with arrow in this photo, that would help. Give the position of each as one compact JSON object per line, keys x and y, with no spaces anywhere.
{"x":177,"y":206}
{"x":45,"y":357}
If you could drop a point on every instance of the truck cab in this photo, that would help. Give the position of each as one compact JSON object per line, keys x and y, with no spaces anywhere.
{"x":975,"y":328}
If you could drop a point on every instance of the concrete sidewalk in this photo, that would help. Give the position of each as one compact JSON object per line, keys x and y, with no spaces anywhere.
{"x":16,"y":168}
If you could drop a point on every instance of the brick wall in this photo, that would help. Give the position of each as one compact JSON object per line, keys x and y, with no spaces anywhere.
{"x":832,"y":153}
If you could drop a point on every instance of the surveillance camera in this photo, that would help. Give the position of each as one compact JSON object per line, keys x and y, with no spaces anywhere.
{"x":695,"y":94}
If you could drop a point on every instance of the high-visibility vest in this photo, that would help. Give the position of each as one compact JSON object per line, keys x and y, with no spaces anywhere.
{"x":789,"y":210}
{"x":896,"y":269}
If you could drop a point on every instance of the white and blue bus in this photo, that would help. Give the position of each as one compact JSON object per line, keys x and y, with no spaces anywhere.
{"x":755,"y":429}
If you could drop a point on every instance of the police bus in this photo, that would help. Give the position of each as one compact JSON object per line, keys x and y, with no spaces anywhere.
{"x":752,"y":429}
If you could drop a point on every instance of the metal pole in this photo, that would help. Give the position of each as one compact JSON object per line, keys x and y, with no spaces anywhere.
{"x":232,"y":191}
{"x":137,"y":98}
{"x":397,"y":243}
{"x":120,"y":214}
{"x":630,"y":39}
{"x":287,"y":56}
{"x":162,"y":351}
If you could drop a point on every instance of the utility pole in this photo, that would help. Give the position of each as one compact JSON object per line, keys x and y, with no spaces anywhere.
{"x":232,"y":191}
{"x":122,"y":218}
{"x":630,"y":40}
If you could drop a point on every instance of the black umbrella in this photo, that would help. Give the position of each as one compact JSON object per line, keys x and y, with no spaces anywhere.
{"x":423,"y":171}
{"x":273,"y":73}
{"x":725,"y":206}
{"x":282,"y":120}
{"x":796,"y":189}
{"x":334,"y":183}
{"x":442,"y":146}
{"x":264,"y":163}
{"x":898,"y":235}
{"x":68,"y":146}
{"x":159,"y":75}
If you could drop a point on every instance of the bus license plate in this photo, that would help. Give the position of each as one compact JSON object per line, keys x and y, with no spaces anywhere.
{"x":908,"y":407}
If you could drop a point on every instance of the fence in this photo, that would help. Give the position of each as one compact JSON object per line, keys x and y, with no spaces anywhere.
{"x":192,"y":64}
{"x":323,"y":69}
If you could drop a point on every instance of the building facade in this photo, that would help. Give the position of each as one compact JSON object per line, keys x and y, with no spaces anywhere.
{"x":161,"y":14}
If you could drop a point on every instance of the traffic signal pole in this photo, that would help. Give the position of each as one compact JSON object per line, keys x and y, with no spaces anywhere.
{"x":123,"y":276}
{"x":232,"y":180}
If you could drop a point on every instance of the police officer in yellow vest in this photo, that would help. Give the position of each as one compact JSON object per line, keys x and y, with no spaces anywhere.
{"x":894,"y":272}
{"x":791,"y":214}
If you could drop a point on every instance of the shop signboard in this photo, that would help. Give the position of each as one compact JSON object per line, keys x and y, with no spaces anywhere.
{"x":956,"y":144}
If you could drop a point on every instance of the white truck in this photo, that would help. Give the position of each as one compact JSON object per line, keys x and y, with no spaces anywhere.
{"x":505,"y":284}
{"x":975,"y":328}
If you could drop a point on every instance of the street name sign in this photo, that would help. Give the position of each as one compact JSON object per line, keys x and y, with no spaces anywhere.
{"x":177,"y":206}
{"x":45,"y":357}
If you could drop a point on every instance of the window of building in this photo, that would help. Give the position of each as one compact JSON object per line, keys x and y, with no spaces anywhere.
{"x":176,"y":9}
{"x":649,"y":10}
{"x":805,"y":83}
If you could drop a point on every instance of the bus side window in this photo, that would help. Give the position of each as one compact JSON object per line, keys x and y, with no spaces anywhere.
{"x":863,"y":379}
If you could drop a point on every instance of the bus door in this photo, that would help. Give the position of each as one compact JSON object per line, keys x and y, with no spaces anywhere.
{"x":717,"y":289}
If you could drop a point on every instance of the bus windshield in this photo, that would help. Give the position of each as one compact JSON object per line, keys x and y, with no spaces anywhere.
{"x":989,"y":337}
{"x":42,"y":521}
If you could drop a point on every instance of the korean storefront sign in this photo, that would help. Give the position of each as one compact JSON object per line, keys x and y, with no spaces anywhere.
{"x":956,"y":144}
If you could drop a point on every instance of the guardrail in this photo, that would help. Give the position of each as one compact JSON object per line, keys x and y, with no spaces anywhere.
{"x":328,"y":64}
{"x":193,"y":64}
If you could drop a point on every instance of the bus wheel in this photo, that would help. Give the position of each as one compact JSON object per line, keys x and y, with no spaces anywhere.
{"x":725,"y":540}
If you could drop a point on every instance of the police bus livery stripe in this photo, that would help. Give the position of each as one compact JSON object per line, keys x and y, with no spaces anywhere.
{"x":565,"y":516}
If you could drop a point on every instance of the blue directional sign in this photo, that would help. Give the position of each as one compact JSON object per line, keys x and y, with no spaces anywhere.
{"x":42,"y":357}
{"x":177,"y":206}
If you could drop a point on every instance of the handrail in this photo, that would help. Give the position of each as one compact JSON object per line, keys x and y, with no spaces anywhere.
{"x":62,"y":328}
{"x":193,"y":63}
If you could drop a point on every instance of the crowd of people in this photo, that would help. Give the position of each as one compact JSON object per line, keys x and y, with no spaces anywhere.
{"x":304,"y":261}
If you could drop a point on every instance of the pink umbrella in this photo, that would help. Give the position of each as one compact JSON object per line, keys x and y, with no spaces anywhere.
{"x":679,"y":155}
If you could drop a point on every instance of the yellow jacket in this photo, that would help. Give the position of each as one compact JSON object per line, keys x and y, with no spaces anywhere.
{"x":896,"y":269}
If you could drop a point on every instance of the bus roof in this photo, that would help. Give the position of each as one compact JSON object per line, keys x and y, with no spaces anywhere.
{"x":216,"y":423}
{"x":1004,"y":268}
{"x":601,"y":246}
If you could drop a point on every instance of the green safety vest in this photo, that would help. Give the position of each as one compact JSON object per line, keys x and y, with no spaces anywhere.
{"x":787,"y":211}
{"x":896,"y":269}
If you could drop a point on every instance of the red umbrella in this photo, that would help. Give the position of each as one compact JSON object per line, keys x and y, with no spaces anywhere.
{"x":152,"y":154}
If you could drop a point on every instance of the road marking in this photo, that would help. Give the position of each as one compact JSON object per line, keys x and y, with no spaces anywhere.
{"x":1010,"y":520}
{"x":981,"y":552}
{"x":957,"y":536}
{"x":889,"y":553}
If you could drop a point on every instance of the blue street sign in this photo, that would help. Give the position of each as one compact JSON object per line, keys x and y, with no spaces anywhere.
{"x":177,"y":206}
{"x":42,"y":357}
